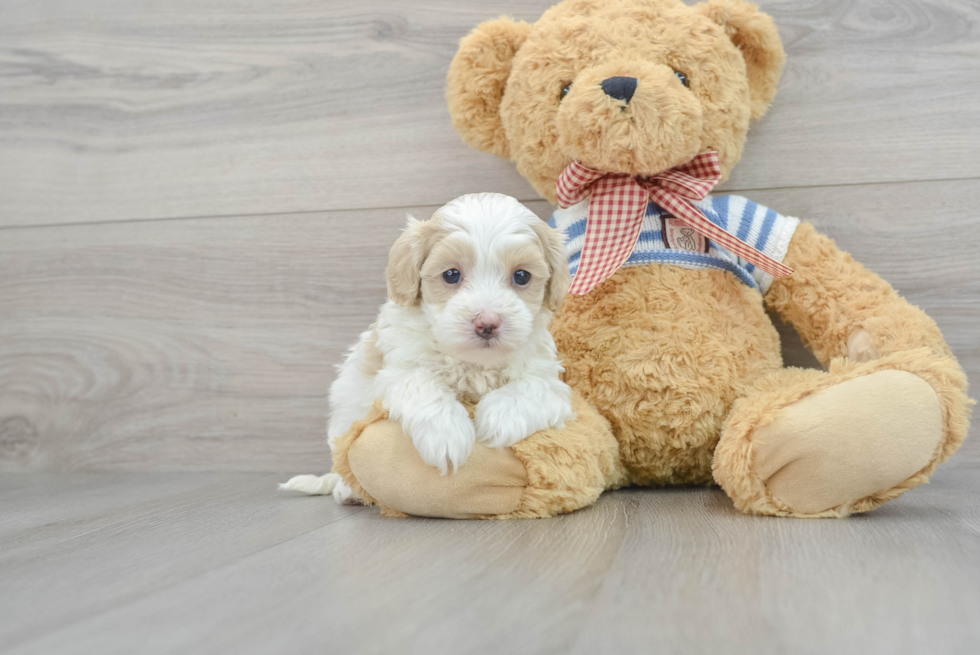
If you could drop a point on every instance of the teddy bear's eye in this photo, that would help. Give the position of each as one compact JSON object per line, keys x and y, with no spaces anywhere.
{"x":565,"y":90}
{"x":683,"y":78}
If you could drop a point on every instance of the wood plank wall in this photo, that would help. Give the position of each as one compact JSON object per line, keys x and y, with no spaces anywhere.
{"x":197,"y":197}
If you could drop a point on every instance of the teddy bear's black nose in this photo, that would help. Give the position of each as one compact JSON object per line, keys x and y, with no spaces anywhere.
{"x":621,"y":88}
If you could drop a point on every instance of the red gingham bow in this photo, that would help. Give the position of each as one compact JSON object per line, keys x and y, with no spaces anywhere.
{"x":619,"y":203}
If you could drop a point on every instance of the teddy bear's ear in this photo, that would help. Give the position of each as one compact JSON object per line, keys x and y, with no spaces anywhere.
{"x":476,"y":82}
{"x":756,"y":36}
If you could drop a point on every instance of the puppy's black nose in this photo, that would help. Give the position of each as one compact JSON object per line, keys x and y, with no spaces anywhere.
{"x":486,"y":332}
{"x":621,"y":88}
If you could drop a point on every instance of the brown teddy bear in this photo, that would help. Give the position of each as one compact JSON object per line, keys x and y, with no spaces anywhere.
{"x":625,"y":112}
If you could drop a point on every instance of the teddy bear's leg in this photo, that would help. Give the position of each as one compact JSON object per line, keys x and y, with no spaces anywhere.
{"x":551,"y":472}
{"x":889,"y":410}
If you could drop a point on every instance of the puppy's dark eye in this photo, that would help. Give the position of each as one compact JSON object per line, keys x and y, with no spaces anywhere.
{"x":451,"y":276}
{"x":683,"y":78}
{"x":521,"y":278}
{"x":564,"y":91}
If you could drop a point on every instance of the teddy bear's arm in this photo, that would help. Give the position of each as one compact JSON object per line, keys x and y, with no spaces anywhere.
{"x":855,"y":321}
{"x":842,"y":309}
{"x":890,"y":408}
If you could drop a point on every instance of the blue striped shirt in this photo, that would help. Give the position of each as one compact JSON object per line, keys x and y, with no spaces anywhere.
{"x":758,"y":226}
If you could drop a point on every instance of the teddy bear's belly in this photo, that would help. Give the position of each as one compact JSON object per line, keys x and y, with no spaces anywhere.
{"x":663,"y":352}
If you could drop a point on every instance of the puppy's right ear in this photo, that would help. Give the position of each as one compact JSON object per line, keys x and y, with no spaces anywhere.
{"x":476,"y":81}
{"x":405,"y":265}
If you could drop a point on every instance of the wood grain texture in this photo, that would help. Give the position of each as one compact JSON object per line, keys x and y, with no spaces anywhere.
{"x":137,"y":110}
{"x":161,"y":344}
{"x":902,"y":579}
{"x":209,"y":344}
{"x":150,"y":532}
{"x":28,"y":517}
{"x":232,"y":567}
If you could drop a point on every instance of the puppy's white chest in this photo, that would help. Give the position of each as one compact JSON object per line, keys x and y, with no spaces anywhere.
{"x":471,"y":381}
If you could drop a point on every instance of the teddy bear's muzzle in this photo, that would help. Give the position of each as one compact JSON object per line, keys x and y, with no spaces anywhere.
{"x":631,"y":117}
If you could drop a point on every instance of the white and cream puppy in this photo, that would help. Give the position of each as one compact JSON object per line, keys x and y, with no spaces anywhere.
{"x":471,"y":292}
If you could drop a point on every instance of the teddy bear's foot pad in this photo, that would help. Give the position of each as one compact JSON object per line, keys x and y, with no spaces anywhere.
{"x":387,"y":465}
{"x":855,"y":439}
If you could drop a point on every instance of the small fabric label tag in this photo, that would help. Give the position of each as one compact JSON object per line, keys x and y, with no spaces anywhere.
{"x":678,"y":235}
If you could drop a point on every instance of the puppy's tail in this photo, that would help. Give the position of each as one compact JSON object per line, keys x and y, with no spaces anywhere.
{"x":322,"y":485}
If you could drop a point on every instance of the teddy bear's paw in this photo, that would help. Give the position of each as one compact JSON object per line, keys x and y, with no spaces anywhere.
{"x":861,"y":346}
{"x":387,"y":466}
{"x":859,"y":438}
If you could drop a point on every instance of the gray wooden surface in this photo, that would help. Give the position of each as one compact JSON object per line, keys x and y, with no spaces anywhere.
{"x":219,"y":563}
{"x":118,"y":111}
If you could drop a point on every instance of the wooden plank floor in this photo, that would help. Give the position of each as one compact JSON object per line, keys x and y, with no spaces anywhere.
{"x":219,"y":562}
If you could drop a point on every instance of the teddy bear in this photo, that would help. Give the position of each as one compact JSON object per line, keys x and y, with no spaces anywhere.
{"x":625,"y":113}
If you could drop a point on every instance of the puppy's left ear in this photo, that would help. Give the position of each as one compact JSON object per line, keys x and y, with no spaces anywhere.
{"x":553,"y":245}
{"x":405,"y":265}
{"x":755,"y":34}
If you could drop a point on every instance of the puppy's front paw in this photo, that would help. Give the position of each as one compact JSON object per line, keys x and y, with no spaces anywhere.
{"x":500,"y":424}
{"x":445,"y":438}
{"x":505,"y":417}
